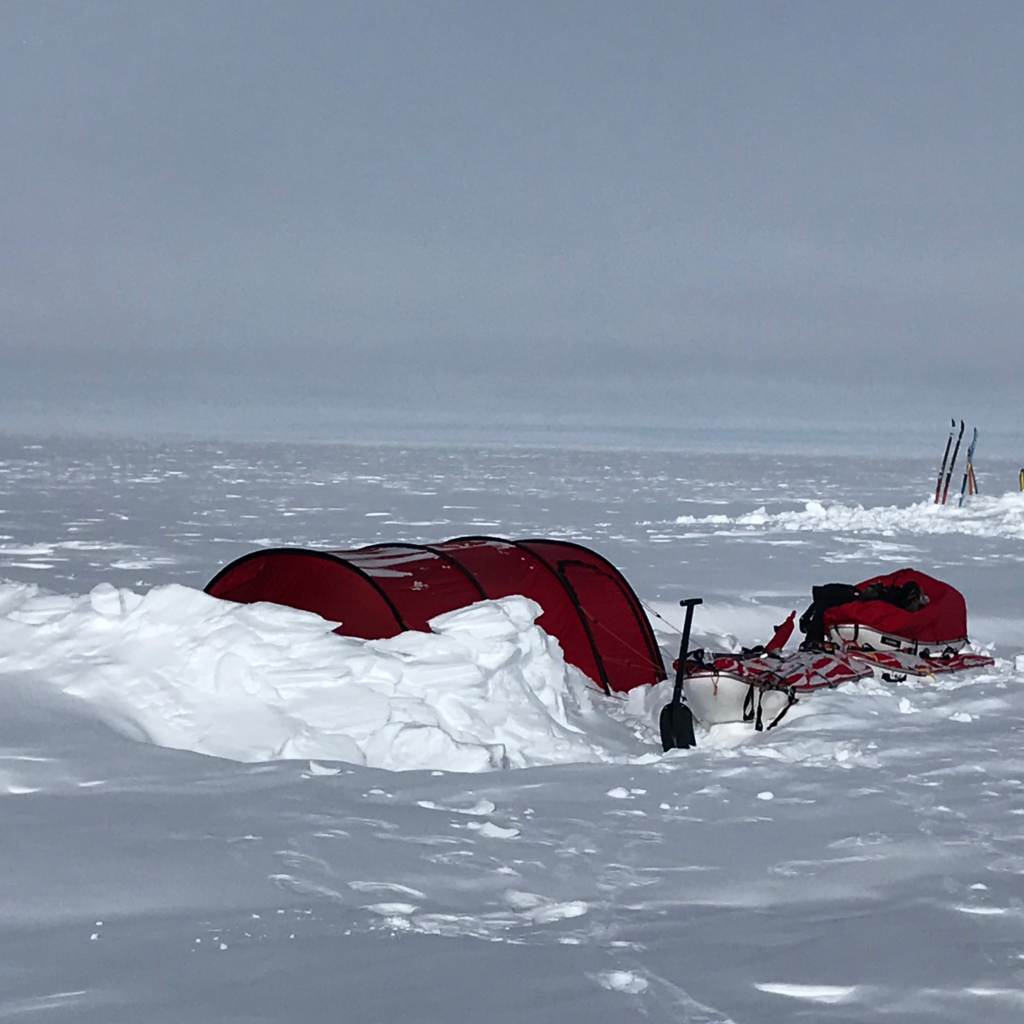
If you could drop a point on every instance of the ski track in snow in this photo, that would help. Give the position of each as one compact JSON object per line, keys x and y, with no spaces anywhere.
{"x":860,"y":864}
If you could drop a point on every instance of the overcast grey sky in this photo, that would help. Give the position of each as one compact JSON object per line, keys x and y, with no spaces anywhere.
{"x":428,"y":199}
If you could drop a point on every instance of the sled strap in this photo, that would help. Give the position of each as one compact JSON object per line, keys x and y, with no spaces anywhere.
{"x":759,"y":725}
{"x":782,"y":714}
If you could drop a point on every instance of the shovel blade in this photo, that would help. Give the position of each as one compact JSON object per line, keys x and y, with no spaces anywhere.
{"x":677,"y":727}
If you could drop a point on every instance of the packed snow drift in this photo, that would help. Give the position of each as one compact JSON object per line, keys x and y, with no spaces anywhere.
{"x":985,"y":516}
{"x":487,"y":688}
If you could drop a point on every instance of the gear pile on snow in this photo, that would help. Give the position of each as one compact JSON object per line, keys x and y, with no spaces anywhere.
{"x":897,"y":625}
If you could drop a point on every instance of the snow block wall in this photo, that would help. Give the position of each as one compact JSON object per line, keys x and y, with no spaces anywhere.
{"x":486,"y":688}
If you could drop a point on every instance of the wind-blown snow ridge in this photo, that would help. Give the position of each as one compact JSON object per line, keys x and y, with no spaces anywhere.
{"x":486,"y":689}
{"x":982,"y":517}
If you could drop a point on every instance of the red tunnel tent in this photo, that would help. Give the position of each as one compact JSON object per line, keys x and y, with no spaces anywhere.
{"x":378,"y":591}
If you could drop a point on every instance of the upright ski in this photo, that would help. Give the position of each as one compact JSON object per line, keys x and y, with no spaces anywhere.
{"x":968,"y":469}
{"x":945,"y":458}
{"x":949,"y":473}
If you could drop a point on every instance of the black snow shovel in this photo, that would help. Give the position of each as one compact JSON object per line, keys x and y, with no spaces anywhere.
{"x":676,"y":717}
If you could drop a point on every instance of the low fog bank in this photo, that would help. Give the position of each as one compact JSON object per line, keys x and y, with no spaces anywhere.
{"x":510,"y":401}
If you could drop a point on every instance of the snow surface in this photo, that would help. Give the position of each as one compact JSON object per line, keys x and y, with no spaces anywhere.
{"x":862,"y":863}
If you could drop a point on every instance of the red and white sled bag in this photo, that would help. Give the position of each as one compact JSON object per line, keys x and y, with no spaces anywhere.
{"x":940,"y":626}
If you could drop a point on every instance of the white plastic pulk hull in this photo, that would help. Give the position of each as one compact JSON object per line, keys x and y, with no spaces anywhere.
{"x":720,"y":698}
{"x":856,"y":635}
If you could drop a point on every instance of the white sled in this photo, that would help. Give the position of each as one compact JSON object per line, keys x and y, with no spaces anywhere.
{"x":760,"y":689}
{"x":716,"y":698}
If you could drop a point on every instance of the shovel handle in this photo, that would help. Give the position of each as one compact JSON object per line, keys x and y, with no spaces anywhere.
{"x":684,"y":646}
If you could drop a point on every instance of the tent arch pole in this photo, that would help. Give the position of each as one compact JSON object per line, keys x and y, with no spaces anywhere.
{"x":653,"y":651}
{"x":563,"y":564}
{"x":574,"y":597}
{"x":569,"y":593}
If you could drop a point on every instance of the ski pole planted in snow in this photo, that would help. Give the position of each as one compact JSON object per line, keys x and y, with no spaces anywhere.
{"x":676,"y":718}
